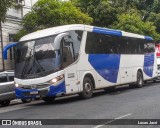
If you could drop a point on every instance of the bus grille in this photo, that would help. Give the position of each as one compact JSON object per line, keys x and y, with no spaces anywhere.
{"x":40,"y":86}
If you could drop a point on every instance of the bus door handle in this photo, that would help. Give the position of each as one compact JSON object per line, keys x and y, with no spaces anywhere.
{"x":126,"y":72}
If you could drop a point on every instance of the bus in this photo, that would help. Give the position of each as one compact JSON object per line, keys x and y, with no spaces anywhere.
{"x":158,"y":59}
{"x":78,"y":59}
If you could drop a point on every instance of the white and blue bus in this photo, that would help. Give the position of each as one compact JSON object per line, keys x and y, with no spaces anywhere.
{"x":79,"y":59}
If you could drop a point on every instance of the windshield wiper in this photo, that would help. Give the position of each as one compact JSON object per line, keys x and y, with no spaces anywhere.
{"x":28,"y":59}
{"x":38,"y":65}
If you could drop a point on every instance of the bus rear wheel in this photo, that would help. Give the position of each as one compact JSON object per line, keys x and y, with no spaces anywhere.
{"x":49,"y":100}
{"x":139,"y":82}
{"x":87,"y":88}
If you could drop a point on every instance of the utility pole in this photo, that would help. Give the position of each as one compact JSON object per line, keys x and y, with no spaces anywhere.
{"x":1,"y":34}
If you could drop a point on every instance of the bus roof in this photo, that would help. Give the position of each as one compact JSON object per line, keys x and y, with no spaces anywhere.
{"x":64,"y":28}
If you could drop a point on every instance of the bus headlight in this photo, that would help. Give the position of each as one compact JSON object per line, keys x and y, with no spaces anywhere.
{"x":58,"y":78}
{"x":17,"y":85}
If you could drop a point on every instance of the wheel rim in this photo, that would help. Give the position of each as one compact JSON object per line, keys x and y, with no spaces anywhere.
{"x":88,"y":88}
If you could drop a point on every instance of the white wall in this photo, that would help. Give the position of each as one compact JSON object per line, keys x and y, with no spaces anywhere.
{"x":12,"y":26}
{"x":27,"y":5}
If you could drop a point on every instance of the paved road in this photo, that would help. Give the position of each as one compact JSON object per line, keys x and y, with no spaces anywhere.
{"x":123,"y":103}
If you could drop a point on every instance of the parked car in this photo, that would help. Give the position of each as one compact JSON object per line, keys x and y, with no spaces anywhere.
{"x":7,"y":88}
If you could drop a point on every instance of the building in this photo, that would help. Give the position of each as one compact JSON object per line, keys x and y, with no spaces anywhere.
{"x":10,"y":27}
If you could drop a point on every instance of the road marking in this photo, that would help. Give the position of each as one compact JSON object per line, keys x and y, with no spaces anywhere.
{"x":108,"y":122}
{"x":123,"y":116}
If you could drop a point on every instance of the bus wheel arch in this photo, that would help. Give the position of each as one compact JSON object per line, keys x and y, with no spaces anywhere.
{"x":92,"y":79}
{"x":88,"y":86}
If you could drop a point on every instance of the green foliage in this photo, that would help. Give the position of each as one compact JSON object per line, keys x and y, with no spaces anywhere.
{"x":155,"y":18}
{"x":50,"y":13}
{"x":102,"y":12}
{"x":137,"y":16}
{"x":20,"y":34}
{"x":156,"y":6}
{"x":4,"y":5}
{"x":132,"y":22}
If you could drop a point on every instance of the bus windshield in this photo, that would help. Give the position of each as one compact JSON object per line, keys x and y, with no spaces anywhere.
{"x":36,"y":58}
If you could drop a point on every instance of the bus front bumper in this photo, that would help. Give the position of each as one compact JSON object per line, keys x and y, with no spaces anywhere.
{"x":43,"y":92}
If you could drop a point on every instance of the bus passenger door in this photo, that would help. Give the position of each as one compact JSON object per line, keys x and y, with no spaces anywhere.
{"x":68,"y":59}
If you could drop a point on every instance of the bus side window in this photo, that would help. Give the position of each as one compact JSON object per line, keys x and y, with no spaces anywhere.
{"x":68,"y":52}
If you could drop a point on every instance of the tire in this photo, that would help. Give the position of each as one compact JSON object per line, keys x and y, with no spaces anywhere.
{"x":139,"y":82}
{"x":87,"y":88}
{"x":26,"y":100}
{"x":49,"y":100}
{"x":5,"y":103}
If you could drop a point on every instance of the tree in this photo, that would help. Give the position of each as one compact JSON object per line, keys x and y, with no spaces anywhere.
{"x":155,"y":18}
{"x":50,"y":13}
{"x":156,"y":6}
{"x":132,"y":22}
{"x":102,"y":11}
{"x":4,"y":5}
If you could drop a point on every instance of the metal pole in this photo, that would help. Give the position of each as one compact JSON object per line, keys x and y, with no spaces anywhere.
{"x":2,"y":45}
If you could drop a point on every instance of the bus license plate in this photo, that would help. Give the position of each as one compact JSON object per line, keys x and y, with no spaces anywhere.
{"x":34,"y":92}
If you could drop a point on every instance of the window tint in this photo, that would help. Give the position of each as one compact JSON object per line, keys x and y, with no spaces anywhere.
{"x":131,"y":45}
{"x":68,"y":56}
{"x":75,"y":38}
{"x":110,"y":44}
{"x":3,"y":78}
{"x":11,"y":76}
{"x":44,"y":48}
{"x":149,"y":47}
{"x":101,"y":44}
{"x":71,"y":46}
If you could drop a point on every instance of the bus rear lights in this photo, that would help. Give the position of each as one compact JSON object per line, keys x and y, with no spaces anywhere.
{"x":58,"y":78}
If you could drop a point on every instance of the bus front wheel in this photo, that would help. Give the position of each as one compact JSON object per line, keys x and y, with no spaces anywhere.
{"x":87,"y":88}
{"x":26,"y":100}
{"x":49,"y":99}
{"x":5,"y":103}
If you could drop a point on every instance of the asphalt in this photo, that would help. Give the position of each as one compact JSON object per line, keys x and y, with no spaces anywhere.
{"x":122,"y":103}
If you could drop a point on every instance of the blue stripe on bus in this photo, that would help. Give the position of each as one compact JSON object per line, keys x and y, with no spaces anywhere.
{"x":148,"y":64}
{"x":107,"y":31}
{"x":148,"y":38}
{"x":58,"y":89}
{"x":107,"y":65}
